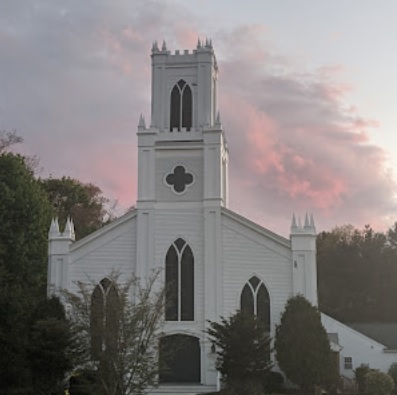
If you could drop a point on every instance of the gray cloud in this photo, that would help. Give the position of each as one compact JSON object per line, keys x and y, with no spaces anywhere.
{"x":76,"y":75}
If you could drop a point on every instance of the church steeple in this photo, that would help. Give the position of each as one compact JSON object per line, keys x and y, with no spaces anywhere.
{"x":182,"y":156}
{"x":184,"y":86}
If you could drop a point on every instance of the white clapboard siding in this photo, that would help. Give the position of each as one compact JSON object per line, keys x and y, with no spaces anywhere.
{"x":248,"y":251}
{"x":108,"y":250}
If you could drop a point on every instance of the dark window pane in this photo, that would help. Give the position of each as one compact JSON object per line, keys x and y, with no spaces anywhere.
{"x":96,"y":321}
{"x":263,"y":305}
{"x":112,"y":313}
{"x":105,"y":283}
{"x":254,"y":282}
{"x":187,"y":285}
{"x":171,"y":283}
{"x":247,"y":300}
{"x":179,"y":244}
{"x":181,"y":84}
{"x":175,"y":111}
{"x":187,"y":108}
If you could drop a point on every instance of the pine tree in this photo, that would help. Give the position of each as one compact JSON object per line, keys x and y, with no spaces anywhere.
{"x":302,"y":347}
{"x":243,"y":348}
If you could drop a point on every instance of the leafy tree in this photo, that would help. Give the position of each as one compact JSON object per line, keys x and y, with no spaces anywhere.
{"x":243,"y":348}
{"x":360,"y":374}
{"x":83,"y":202}
{"x":8,"y":139}
{"x":393,"y":374}
{"x":357,"y":274}
{"x":302,"y":346}
{"x":24,"y":217}
{"x":119,"y":332}
{"x":378,"y":383}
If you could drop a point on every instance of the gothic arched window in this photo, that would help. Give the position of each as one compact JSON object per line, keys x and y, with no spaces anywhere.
{"x":255,"y":300}
{"x":104,"y":317}
{"x":181,"y":106}
{"x":179,"y":282}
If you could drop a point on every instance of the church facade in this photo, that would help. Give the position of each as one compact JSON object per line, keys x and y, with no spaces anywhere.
{"x":216,"y":260}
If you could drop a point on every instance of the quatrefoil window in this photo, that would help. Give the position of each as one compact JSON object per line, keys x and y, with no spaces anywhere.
{"x":179,"y":179}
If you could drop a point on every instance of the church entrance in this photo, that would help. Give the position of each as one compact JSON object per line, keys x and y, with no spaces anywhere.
{"x":180,"y":359}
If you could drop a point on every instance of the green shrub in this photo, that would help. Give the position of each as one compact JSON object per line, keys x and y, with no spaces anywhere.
{"x":360,"y":374}
{"x":378,"y":383}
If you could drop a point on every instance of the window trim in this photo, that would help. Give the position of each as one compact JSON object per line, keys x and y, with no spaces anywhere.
{"x":179,"y":254}
{"x":348,"y":363}
{"x":183,"y":103}
{"x":254,"y":293}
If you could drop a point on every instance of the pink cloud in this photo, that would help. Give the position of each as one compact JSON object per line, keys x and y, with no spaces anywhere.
{"x":294,"y":142}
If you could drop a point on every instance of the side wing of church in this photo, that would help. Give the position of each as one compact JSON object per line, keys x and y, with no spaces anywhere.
{"x":218,"y":261}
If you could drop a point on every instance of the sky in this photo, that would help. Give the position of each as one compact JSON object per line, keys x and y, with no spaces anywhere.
{"x":306,"y":97}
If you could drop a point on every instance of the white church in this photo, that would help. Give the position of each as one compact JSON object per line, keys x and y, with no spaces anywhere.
{"x":217,"y":260}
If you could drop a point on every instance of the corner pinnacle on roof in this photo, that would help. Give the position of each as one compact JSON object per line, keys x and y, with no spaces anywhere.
{"x":307,"y":229}
{"x":218,"y":122}
{"x":69,"y":229}
{"x":142,"y":123}
{"x":54,"y":228}
{"x":155,"y":47}
{"x":293,"y":224}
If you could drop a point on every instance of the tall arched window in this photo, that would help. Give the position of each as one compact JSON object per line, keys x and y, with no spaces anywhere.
{"x":179,"y":280}
{"x":104,"y":317}
{"x":255,"y":300}
{"x":181,"y":106}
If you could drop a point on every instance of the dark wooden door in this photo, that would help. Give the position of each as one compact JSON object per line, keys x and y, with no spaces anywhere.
{"x":180,"y":359}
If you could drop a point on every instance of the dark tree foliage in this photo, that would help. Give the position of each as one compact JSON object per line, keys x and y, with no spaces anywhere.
{"x":24,"y":217}
{"x":302,"y":347}
{"x":357,"y":274}
{"x":243,"y":348}
{"x":84,"y":203}
{"x":126,"y":360}
{"x":49,"y":351}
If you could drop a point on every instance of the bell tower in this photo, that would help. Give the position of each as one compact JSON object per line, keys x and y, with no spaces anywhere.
{"x":182,"y":155}
{"x":184,"y":88}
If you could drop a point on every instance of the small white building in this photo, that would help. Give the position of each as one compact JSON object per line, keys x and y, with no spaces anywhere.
{"x":219,"y":260}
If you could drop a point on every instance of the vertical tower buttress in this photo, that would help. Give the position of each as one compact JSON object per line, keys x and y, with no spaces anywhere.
{"x":304,"y":265}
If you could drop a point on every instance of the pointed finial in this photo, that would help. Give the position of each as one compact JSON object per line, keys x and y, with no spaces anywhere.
{"x":218,"y":122}
{"x":206,"y":43}
{"x":293,"y":224}
{"x":155,"y":47}
{"x":54,"y":228}
{"x":164,"y":46}
{"x":72,"y":232}
{"x":307,"y":223}
{"x":142,"y":123}
{"x":69,"y":229}
{"x":312,"y":225}
{"x":210,"y":45}
{"x":198,"y":43}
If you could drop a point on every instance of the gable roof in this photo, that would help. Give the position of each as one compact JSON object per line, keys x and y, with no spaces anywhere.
{"x":382,"y":332}
{"x":257,"y":228}
{"x":103,"y":230}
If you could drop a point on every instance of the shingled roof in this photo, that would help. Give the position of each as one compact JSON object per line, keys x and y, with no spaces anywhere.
{"x":383,"y":332}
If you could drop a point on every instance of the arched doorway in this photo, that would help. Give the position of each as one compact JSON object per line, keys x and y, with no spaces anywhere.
{"x":180,"y":359}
